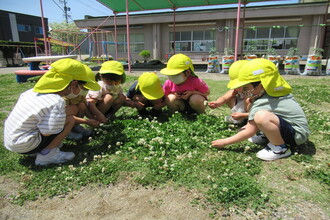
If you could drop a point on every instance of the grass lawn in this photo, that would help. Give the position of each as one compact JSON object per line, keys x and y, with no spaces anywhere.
{"x":174,"y":150}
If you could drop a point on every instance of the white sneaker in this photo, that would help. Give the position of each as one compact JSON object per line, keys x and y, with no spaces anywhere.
{"x":80,"y":129}
{"x":272,"y":152}
{"x":258,"y":139}
{"x":74,"y":136}
{"x":54,"y":156}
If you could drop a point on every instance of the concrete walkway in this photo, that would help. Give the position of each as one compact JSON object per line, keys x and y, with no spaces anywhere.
{"x":202,"y":75}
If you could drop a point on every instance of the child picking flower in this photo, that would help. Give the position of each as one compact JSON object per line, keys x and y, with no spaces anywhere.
{"x":108,"y":100}
{"x":274,"y":111}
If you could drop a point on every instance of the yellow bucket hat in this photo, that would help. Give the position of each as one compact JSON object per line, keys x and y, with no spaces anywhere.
{"x":93,"y":85}
{"x":267,"y":73}
{"x":150,"y":86}
{"x":61,"y":73}
{"x":177,"y":64}
{"x":112,"y":67}
{"x":234,"y":71}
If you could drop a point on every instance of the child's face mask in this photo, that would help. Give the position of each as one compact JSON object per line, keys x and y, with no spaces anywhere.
{"x":72,"y":95}
{"x":178,"y":79}
{"x":249,"y":93}
{"x":81,"y":92}
{"x":112,"y":87}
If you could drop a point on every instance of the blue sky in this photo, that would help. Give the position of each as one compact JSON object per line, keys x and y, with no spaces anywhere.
{"x":79,"y":8}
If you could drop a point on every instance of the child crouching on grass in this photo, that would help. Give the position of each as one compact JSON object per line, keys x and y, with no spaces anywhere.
{"x":110,"y":98}
{"x":274,"y":111}
{"x":184,"y":91}
{"x":146,"y":92}
{"x":76,"y":105}
{"x":38,"y":123}
{"x":233,"y":98}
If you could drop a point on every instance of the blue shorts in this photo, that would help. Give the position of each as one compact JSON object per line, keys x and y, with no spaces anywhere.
{"x":45,"y":141}
{"x":287,"y":132}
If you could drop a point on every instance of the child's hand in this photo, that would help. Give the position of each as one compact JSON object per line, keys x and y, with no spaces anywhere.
{"x":236,"y":115}
{"x":101,"y":118}
{"x":218,"y":143}
{"x":178,"y":95}
{"x":93,"y":123}
{"x":213,"y":104}
{"x":139,"y":105}
{"x":186,"y":95}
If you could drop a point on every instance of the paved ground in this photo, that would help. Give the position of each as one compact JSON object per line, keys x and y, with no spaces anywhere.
{"x":201,"y":74}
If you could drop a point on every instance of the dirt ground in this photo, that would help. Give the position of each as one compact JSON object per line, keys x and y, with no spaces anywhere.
{"x":126,"y":201}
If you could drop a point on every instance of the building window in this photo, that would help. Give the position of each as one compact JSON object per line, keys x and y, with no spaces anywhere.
{"x":279,"y":38}
{"x":23,"y":27}
{"x":192,"y":41}
{"x":136,"y":43}
{"x":38,"y":30}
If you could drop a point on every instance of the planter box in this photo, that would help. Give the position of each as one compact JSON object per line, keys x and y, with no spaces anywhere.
{"x":226,"y":63}
{"x":291,"y":65}
{"x":313,"y":66}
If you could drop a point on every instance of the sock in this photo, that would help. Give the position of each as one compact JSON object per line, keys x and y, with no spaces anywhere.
{"x":278,"y":148}
{"x":45,"y":151}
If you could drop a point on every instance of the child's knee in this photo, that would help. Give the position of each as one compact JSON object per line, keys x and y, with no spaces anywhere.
{"x":263,"y":116}
{"x":196,"y":100}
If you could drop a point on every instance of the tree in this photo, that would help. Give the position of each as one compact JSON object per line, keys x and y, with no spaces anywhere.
{"x":145,"y":54}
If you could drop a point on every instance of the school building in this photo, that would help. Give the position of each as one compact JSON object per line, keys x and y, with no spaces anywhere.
{"x":195,"y":32}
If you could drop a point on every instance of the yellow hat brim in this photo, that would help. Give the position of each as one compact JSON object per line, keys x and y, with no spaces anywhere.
{"x":52,"y":82}
{"x":171,"y":72}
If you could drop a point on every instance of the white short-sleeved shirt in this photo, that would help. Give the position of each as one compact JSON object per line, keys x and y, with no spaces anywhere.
{"x":33,"y":114}
{"x":103,"y":91}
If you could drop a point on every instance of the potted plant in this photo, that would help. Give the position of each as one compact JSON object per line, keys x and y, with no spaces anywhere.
{"x":227,"y":60}
{"x":145,"y":54}
{"x":291,"y":61}
{"x":314,"y":63}
{"x":272,"y":55}
{"x":213,"y":65}
{"x":251,"y":50}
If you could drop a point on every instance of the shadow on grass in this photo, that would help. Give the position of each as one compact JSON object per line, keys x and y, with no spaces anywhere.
{"x":307,"y":148}
{"x":86,"y":149}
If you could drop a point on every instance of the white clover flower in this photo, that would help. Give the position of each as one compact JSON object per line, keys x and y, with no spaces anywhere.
{"x":84,"y":161}
{"x":90,"y":138}
{"x":247,"y":148}
{"x":103,"y":169}
{"x":118,"y":143}
{"x":248,"y":159}
{"x":118,"y":152}
{"x":225,"y":189}
{"x":146,"y":158}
